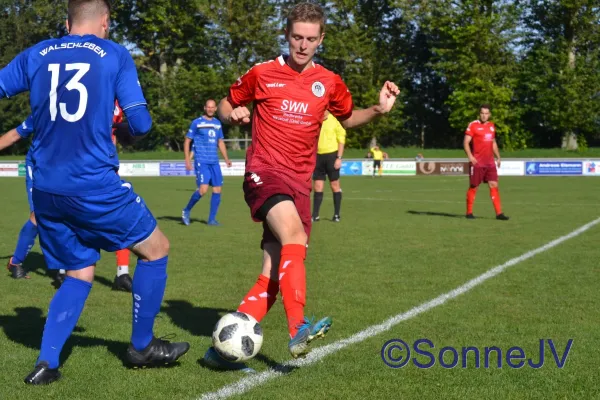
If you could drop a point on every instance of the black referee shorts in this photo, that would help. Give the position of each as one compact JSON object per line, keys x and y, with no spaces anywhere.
{"x":376,"y":163}
{"x":325,"y":167}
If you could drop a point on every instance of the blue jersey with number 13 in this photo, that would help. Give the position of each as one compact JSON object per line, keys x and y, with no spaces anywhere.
{"x":73,"y":83}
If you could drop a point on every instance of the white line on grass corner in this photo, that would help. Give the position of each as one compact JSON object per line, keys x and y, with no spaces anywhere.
{"x":251,"y":381}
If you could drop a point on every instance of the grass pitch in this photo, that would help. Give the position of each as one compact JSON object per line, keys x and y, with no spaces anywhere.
{"x":401,"y":242}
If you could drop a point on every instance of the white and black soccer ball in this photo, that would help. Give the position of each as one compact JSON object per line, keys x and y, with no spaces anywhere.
{"x":237,"y":337}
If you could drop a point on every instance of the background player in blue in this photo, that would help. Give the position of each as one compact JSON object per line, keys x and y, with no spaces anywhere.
{"x":29,"y":231}
{"x":206,"y":133}
{"x":81,"y":204}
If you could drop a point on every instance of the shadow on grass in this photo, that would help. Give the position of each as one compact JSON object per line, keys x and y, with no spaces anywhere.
{"x":178,"y":219}
{"x":27,"y":326}
{"x":437,"y":214}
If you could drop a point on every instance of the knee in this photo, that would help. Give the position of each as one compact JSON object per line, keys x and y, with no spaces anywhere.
{"x":298,"y":236}
{"x":202,"y":190}
{"x":160,"y":248}
{"x":85,"y":274}
{"x":292,"y":235}
{"x":335,"y":186}
{"x":164,"y":246}
{"x":493,"y":184}
{"x":217,"y":189}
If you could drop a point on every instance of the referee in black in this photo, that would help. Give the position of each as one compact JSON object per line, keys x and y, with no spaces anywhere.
{"x":329,"y":161}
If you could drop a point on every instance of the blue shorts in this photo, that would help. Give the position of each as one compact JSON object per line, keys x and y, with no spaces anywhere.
{"x":73,"y":230}
{"x":29,"y":184}
{"x":208,"y":174}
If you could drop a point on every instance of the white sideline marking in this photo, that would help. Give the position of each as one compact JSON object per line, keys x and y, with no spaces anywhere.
{"x":463,"y":202}
{"x":251,"y":381}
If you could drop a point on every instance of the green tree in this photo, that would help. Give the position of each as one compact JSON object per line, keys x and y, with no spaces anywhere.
{"x":188,"y":51}
{"x":475,"y":56}
{"x":23,"y":24}
{"x":354,"y":41}
{"x":168,"y":39}
{"x":561,"y":72}
{"x":413,"y":36}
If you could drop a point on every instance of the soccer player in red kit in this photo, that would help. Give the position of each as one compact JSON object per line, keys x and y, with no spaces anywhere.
{"x":481,"y":135}
{"x":290,"y":94}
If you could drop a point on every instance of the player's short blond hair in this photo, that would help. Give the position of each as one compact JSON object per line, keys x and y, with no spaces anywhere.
{"x":306,"y":12}
{"x":80,"y":10}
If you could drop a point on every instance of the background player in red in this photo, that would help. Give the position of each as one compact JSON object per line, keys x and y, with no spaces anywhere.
{"x":122,"y":280}
{"x":481,"y":136}
{"x":290,"y":95}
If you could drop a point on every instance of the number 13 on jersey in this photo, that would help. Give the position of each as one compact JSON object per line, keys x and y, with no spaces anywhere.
{"x":73,"y":84}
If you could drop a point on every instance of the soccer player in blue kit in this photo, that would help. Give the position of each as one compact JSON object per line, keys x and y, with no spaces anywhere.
{"x":80,"y":202}
{"x":29,"y":231}
{"x":206,"y":133}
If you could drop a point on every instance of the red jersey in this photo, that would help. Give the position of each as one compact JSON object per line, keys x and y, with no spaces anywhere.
{"x":483,"y":135}
{"x":117,"y":118}
{"x":288,"y":112}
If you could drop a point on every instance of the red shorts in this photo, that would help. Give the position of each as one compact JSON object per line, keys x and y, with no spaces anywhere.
{"x":479,"y":174}
{"x":259,"y":187}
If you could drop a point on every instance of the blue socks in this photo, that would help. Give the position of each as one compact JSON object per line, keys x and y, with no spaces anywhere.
{"x":149,"y":281}
{"x":65,"y":309}
{"x":215,"y":200}
{"x":193,"y":200}
{"x":26,"y":240}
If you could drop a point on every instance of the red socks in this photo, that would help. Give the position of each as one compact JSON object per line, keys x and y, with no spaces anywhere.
{"x":471,"y":199}
{"x":292,"y":282}
{"x":496,"y":200}
{"x":260,"y":298}
{"x":122,"y":258}
{"x":494,"y":194}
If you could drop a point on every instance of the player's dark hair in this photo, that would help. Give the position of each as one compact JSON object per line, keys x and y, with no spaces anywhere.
{"x":79,"y":10}
{"x":306,"y":12}
{"x":486,"y":106}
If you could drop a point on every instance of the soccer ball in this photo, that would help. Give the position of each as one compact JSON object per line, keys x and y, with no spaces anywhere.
{"x":237,"y":337}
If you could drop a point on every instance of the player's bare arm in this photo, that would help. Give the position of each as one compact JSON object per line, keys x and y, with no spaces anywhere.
{"x":387,"y":98}
{"x":223,"y":150}
{"x":233,"y":116}
{"x":496,"y":153}
{"x":9,"y":138}
{"x":187,"y":154}
{"x":467,"y":147}
{"x":340,"y":154}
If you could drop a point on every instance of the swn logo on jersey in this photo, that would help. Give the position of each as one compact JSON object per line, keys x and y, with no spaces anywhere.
{"x":275,"y":85}
{"x":294,"y":106}
{"x":488,"y":137}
